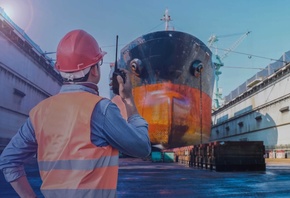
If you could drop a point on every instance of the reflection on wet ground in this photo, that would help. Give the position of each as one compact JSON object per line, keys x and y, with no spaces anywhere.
{"x":138,"y":178}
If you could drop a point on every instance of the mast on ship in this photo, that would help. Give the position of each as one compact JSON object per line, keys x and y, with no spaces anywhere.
{"x":166,"y":18}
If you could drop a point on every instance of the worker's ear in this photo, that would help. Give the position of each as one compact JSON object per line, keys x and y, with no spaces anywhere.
{"x":95,"y":74}
{"x":95,"y":71}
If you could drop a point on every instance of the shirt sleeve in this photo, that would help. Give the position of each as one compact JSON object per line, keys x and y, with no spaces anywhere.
{"x":21,"y":148}
{"x":110,"y":128}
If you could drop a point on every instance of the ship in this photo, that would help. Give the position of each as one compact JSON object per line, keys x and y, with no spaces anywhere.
{"x":172,"y":76}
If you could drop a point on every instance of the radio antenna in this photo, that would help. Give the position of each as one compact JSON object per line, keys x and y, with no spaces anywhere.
{"x":116,"y":61}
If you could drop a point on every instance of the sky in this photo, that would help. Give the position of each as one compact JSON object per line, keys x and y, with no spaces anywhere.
{"x":47,"y":21}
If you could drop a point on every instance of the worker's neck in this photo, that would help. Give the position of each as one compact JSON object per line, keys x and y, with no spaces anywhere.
{"x":87,"y":84}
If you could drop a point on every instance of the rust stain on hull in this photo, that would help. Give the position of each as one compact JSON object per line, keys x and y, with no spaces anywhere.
{"x":174,"y":113}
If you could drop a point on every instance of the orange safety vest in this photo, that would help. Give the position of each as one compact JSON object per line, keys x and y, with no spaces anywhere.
{"x":69,"y":164}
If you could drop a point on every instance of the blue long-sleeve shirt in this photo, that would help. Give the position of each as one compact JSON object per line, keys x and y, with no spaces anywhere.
{"x":108,"y":128}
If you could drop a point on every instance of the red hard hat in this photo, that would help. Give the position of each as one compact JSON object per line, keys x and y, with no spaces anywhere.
{"x":76,"y":51}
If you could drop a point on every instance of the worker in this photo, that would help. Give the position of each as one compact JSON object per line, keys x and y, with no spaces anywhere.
{"x":76,"y":134}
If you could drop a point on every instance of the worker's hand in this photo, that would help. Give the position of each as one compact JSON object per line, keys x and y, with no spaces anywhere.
{"x":125,"y":92}
{"x":125,"y":89}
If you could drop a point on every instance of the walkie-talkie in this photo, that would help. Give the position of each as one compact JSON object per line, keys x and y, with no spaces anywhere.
{"x":117,"y":72}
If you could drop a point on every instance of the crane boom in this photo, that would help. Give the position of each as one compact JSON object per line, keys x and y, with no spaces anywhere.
{"x":213,"y":39}
{"x":235,"y":44}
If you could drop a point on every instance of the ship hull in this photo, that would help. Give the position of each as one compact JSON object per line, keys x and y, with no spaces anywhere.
{"x":172,"y":78}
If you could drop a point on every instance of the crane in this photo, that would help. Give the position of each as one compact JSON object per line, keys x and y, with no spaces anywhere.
{"x":212,"y":40}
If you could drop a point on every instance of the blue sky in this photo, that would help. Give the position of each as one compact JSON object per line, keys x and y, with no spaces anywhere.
{"x":47,"y":21}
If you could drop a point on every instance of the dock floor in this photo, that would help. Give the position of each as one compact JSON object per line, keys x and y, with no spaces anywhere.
{"x":139,"y":178}
{"x":146,"y":179}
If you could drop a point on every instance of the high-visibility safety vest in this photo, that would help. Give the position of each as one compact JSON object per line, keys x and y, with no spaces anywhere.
{"x":69,"y":164}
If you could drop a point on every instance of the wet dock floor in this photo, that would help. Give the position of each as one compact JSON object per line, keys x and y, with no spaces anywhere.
{"x":138,"y":178}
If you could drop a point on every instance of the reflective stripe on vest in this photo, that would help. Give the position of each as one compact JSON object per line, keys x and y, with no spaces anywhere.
{"x":70,"y":165}
{"x":80,"y":193}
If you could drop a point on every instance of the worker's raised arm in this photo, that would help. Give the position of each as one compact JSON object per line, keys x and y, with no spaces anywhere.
{"x":128,"y":136}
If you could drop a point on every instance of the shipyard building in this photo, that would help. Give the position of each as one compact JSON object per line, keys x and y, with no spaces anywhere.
{"x":27,"y":76}
{"x":258,"y":110}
